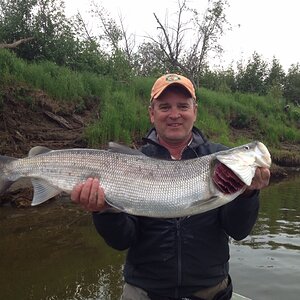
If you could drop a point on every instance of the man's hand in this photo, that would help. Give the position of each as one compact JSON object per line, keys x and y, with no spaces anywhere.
{"x":260,"y":180}
{"x":226,"y":181}
{"x":90,"y":195}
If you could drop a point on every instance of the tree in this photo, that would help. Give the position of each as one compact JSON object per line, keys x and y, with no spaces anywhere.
{"x":16,"y":20}
{"x":292,"y":85}
{"x":43,"y":21}
{"x":275,"y":78}
{"x":251,"y":78}
{"x":204,"y":32}
{"x":116,"y":41}
{"x":148,"y":60}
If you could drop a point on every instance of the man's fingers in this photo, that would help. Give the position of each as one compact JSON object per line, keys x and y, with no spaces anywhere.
{"x":101,"y":198}
{"x":261,"y":179}
{"x":75,"y":194}
{"x":85,"y":192}
{"x":93,"y":196}
{"x":265,"y":175}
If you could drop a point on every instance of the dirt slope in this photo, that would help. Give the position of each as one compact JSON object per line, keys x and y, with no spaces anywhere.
{"x":39,"y":120}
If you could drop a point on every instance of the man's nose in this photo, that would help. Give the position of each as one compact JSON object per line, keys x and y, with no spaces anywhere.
{"x":175,"y":113}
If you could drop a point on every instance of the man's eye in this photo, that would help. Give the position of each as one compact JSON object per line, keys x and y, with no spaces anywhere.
{"x":184,"y":107}
{"x":164,"y":108}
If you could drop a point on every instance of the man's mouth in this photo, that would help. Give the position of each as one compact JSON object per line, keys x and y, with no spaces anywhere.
{"x":174,"y":125}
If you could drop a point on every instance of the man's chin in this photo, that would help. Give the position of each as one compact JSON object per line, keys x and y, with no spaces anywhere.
{"x":175,"y":137}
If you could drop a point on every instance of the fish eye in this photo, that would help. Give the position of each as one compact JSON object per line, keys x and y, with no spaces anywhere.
{"x":246,"y":147}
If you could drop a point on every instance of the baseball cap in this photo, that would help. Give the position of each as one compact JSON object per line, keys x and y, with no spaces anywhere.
{"x":168,"y":79}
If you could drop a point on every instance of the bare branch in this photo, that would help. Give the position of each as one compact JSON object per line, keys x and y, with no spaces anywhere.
{"x":16,"y":44}
{"x":81,"y":21}
{"x":128,"y":45}
{"x":166,"y":36}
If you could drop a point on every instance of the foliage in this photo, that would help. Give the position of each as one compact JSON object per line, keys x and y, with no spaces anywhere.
{"x":171,"y":46}
{"x":177,"y":47}
{"x":292,"y":85}
{"x":251,"y":77}
{"x":223,"y":113}
{"x":274,"y":80}
{"x":230,"y":118}
{"x":45,"y":21}
{"x":70,"y":63}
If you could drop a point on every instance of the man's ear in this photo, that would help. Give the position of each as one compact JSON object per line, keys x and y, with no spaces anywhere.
{"x":151,"y":113}
{"x":196,"y":112}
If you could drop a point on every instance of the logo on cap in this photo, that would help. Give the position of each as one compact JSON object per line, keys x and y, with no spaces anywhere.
{"x":172,"y":77}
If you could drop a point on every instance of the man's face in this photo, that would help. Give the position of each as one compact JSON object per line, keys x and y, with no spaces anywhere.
{"x":173,"y":114}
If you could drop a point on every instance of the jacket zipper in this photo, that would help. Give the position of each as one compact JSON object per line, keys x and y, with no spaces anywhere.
{"x":178,"y":256}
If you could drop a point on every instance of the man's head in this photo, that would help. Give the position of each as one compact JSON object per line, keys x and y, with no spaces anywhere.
{"x":173,"y":108}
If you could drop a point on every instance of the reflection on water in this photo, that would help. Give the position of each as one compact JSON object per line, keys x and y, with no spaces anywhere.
{"x":53,"y":252}
{"x":265,"y":265}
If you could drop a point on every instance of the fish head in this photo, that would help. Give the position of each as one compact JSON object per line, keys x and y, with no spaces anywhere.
{"x":244,"y":160}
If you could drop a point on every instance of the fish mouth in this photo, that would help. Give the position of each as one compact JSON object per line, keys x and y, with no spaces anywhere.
{"x":263,"y":157}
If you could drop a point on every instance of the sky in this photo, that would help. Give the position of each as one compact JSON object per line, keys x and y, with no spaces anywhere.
{"x":268,"y":27}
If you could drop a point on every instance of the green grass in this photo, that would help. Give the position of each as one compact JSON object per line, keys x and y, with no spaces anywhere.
{"x":228,"y":118}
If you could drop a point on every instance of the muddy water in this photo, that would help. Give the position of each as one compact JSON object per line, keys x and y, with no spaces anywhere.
{"x":53,"y":252}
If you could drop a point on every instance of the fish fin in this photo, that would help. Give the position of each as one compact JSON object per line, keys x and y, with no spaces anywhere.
{"x":38,"y":150}
{"x":201,"y":202}
{"x":5,"y":183}
{"x":243,"y":171}
{"x":6,"y":160}
{"x":114,"y":206}
{"x":117,"y":148}
{"x":43,"y":191}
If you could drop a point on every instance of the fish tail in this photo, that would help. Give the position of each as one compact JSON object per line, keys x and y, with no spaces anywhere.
{"x":5,"y":182}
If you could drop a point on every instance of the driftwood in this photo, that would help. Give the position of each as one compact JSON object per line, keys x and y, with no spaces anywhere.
{"x":60,"y":120}
{"x":16,"y":44}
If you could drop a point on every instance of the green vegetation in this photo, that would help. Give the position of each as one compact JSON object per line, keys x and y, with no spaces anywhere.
{"x":39,"y":31}
{"x":226,"y":117}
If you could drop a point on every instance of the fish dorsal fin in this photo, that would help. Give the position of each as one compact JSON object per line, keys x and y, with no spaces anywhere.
{"x":43,"y":191}
{"x":38,"y":150}
{"x":117,"y":148}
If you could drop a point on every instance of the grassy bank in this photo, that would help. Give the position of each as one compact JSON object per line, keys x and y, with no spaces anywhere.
{"x":228,"y":118}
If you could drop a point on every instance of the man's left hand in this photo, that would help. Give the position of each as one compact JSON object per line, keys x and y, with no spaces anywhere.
{"x":260,"y":180}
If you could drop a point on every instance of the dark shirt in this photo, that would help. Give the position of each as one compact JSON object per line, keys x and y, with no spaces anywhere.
{"x":179,"y":256}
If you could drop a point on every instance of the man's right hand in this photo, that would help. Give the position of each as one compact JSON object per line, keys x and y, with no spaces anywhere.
{"x":90,"y":195}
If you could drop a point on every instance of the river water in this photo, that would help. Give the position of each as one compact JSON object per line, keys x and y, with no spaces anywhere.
{"x":53,"y":252}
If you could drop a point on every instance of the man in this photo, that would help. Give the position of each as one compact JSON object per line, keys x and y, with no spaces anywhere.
{"x":181,"y":258}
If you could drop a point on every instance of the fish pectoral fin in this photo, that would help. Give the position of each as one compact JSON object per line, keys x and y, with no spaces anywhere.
{"x":43,"y":191}
{"x":245,"y":174}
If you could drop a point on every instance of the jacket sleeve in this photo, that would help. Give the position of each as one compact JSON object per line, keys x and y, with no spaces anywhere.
{"x":119,"y":230}
{"x":239,"y":216}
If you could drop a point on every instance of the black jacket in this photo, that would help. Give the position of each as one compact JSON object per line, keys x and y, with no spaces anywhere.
{"x":177,"y":257}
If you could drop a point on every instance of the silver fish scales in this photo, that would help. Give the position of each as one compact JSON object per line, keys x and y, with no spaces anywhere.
{"x":135,"y":183}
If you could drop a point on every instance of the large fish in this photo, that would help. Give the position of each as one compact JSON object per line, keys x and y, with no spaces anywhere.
{"x":135,"y":183}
